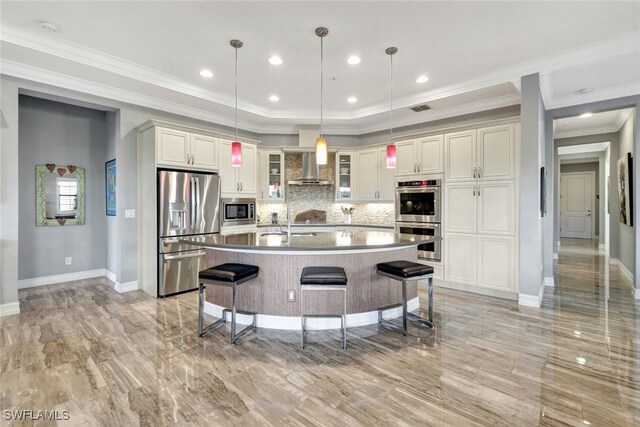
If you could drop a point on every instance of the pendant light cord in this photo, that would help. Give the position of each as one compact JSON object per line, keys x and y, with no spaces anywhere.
{"x":236,"y":93}
{"x":391,"y":100}
{"x":321,"y":78}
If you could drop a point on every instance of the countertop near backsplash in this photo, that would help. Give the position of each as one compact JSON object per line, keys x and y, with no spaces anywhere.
{"x":322,"y":197}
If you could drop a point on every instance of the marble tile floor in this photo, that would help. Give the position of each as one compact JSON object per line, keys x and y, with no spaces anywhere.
{"x":128,"y":359}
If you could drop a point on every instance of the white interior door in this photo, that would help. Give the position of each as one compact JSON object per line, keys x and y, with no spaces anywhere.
{"x":576,"y":204}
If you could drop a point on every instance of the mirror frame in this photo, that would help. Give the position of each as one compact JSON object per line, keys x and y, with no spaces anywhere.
{"x":41,"y":199}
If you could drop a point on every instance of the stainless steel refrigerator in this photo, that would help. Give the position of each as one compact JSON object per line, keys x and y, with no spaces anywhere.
{"x":188,"y":205}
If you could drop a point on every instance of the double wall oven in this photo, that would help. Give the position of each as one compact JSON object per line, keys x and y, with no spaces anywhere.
{"x":418,"y":213}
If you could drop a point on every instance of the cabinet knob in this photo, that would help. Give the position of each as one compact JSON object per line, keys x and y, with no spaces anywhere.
{"x":479,"y":172}
{"x":474,"y":172}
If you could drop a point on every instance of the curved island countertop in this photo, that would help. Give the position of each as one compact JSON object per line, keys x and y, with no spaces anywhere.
{"x":274,"y":294}
{"x":326,"y":242}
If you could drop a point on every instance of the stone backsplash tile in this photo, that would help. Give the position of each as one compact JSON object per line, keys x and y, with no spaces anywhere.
{"x":302,"y":198}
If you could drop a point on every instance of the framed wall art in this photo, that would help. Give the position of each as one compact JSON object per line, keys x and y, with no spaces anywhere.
{"x":625,"y":189}
{"x":110,"y":186}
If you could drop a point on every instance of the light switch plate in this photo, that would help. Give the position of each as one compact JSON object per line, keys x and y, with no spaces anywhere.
{"x":129,"y":213}
{"x":291,"y":295}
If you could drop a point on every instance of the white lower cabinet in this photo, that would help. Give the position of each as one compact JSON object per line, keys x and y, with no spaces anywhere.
{"x":480,"y":260}
{"x":496,"y":266}
{"x":460,"y":258}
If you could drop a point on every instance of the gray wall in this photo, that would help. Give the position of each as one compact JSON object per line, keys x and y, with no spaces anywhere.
{"x":626,"y":233}
{"x":532,"y":158}
{"x":588,"y":167}
{"x":51,"y":132}
{"x":112,"y":137}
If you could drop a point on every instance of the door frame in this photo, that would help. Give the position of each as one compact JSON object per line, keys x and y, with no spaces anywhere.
{"x":593,"y":199}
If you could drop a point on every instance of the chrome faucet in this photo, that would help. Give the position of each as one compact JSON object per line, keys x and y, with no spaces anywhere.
{"x":288,"y":221}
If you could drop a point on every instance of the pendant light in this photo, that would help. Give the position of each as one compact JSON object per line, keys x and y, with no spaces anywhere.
{"x":391,"y":148}
{"x":321,"y":142}
{"x":236,"y":146}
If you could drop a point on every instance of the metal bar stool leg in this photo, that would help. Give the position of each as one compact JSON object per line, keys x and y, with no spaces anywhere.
{"x":430,"y":291}
{"x":404,"y":308}
{"x":200,"y":308}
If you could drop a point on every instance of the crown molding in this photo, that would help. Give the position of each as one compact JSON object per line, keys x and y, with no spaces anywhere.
{"x":595,"y":96}
{"x":595,"y":130}
{"x":621,"y":118}
{"x":77,"y":53}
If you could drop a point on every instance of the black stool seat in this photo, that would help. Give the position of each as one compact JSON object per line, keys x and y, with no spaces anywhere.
{"x":405,"y":269}
{"x":323,"y":276}
{"x":229,"y":272}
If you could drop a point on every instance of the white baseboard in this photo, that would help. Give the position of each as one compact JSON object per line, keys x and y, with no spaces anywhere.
{"x":532,"y":300}
{"x":636,"y":293}
{"x":293,"y":323}
{"x":110,"y":275}
{"x":9,"y":308}
{"x":548,"y":281}
{"x":555,"y":255}
{"x":623,"y":269}
{"x":59,"y":278}
{"x":126,"y":287}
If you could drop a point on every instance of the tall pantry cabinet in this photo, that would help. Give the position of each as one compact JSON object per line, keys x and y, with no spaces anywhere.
{"x":480,"y":207}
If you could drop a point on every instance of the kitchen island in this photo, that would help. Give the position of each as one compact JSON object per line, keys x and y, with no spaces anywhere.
{"x":274,"y":294}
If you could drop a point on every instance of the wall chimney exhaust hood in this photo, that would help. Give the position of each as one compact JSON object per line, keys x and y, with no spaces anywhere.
{"x":310,"y":175}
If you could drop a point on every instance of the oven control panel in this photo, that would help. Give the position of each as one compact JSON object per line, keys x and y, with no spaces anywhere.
{"x":423,"y":183}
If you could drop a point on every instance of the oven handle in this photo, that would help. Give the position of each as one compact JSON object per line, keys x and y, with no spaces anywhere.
{"x":418,"y":225}
{"x":430,"y":189}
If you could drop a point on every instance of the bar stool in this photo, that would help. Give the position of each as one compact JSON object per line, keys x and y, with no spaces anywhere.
{"x":229,"y":275}
{"x":406,"y":271}
{"x":324,"y":279}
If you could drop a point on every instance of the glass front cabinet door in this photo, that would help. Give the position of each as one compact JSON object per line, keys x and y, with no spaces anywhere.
{"x":272,"y":176}
{"x":344,"y":172}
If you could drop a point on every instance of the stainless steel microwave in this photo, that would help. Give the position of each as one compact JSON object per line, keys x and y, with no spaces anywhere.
{"x":238,"y":211}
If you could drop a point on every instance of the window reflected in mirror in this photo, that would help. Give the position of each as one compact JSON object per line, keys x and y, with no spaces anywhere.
{"x":60,"y":198}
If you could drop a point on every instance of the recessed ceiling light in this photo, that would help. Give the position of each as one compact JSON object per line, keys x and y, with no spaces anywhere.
{"x":274,"y":98}
{"x":354,"y":60}
{"x":422,"y":79}
{"x":48,"y":26}
{"x":206,"y":73}
{"x":586,"y":115}
{"x":275,"y":60}
{"x":352,"y":99}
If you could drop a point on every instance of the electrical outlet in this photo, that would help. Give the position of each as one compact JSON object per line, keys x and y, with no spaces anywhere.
{"x":68,"y":260}
{"x":291,"y":295}
{"x":129,"y":213}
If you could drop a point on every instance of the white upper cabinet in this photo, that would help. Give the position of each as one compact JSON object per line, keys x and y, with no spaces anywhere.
{"x":496,"y":152}
{"x":420,"y":156}
{"x":173,"y":147}
{"x":431,"y":154}
{"x":270,"y":175}
{"x":345,"y":173}
{"x":460,"y":156}
{"x":482,"y":154}
{"x":204,"y":152}
{"x":406,"y":157}
{"x":374,"y":182}
{"x":367,"y":179}
{"x":386,"y":181}
{"x":186,"y":150}
{"x":238,"y":181}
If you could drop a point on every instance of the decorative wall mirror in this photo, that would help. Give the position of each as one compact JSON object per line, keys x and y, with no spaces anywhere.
{"x":60,"y":198}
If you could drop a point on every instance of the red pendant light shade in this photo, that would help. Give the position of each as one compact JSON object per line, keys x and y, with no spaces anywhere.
{"x":391,"y":156}
{"x":236,"y":154}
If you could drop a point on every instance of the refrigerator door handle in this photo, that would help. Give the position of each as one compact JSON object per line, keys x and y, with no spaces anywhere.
{"x":196,"y":180}
{"x":192,"y":203}
{"x":182,"y":256}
